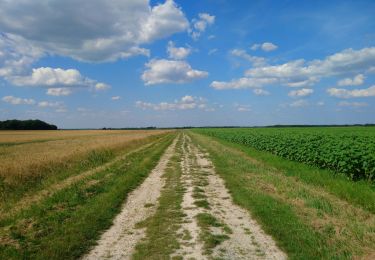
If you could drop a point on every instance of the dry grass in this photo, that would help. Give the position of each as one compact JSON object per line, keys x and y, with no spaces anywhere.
{"x":16,"y":137}
{"x":34,"y":159}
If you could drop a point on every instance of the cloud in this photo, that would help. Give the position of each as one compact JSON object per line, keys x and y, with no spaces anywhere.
{"x":116,"y":98}
{"x":49,"y":104}
{"x":16,"y":58}
{"x":18,"y":101}
{"x":352,"y":104}
{"x":266,"y":46}
{"x":16,"y":55}
{"x":101,"y":30}
{"x":200,"y":25}
{"x":212,"y":51}
{"x":57,"y":78}
{"x":177,"y":53}
{"x":61,"y":110}
{"x":58,"y":106}
{"x":102,"y":86}
{"x":242,"y":83}
{"x":355,"y":93}
{"x":255,"y":46}
{"x":299,"y":103}
{"x":300,"y":72}
{"x":59,"y":91}
{"x":170,"y":71}
{"x":242,"y":108}
{"x":185,"y":103}
{"x":46,"y":76}
{"x":301,"y":92}
{"x":254,"y":60}
{"x":356,"y":81}
{"x":261,"y":92}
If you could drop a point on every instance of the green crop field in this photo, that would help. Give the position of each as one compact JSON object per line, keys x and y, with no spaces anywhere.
{"x":346,"y":150}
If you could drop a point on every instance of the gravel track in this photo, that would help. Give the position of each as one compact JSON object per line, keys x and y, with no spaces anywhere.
{"x":119,"y":241}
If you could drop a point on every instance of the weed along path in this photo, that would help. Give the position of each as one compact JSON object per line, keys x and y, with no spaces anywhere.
{"x":184,"y":211}
{"x":214,"y":227}
{"x":119,"y":241}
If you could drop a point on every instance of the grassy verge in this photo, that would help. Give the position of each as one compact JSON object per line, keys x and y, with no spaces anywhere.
{"x":206,"y":221}
{"x":65,"y":225}
{"x":161,"y":228}
{"x":11,"y":193}
{"x":307,"y":220}
{"x":361,"y":193}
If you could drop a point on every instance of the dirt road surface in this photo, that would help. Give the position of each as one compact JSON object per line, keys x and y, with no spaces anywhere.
{"x":119,"y":241}
{"x":235,"y":232}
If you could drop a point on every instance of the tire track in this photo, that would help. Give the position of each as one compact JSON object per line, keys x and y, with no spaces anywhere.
{"x":237,"y":235}
{"x":119,"y":241}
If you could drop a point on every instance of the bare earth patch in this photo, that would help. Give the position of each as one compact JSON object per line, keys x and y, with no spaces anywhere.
{"x":119,"y":241}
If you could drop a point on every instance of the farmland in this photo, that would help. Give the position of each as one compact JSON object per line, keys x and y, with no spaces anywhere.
{"x":350,"y":151}
{"x":202,"y":193}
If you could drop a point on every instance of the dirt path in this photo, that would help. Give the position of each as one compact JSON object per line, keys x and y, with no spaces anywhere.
{"x":216,"y":227}
{"x":191,"y":246}
{"x":119,"y":241}
{"x":212,"y":226}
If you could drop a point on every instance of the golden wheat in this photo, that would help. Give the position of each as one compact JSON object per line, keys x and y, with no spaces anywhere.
{"x":23,"y":161}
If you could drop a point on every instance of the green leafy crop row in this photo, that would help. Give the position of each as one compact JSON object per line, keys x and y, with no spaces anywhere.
{"x":344,"y":150}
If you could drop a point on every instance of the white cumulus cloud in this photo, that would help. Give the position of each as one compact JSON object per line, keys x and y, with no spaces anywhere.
{"x":200,"y":25}
{"x":98,"y":30}
{"x":356,"y":81}
{"x":355,"y":93}
{"x":177,"y":53}
{"x":48,"y":77}
{"x":266,"y":46}
{"x":102,"y":86}
{"x":170,"y":71}
{"x":57,"y":78}
{"x":299,"y":73}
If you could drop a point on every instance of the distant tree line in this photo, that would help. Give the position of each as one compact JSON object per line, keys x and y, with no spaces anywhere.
{"x":26,"y":125}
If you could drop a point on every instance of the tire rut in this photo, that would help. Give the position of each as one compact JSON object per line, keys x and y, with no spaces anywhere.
{"x":241,"y":237}
{"x":119,"y":241}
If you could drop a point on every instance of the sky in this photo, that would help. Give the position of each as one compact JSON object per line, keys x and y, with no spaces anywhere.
{"x":138,"y":63}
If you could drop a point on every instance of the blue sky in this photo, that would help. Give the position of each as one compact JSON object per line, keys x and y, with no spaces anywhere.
{"x":84,"y":64}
